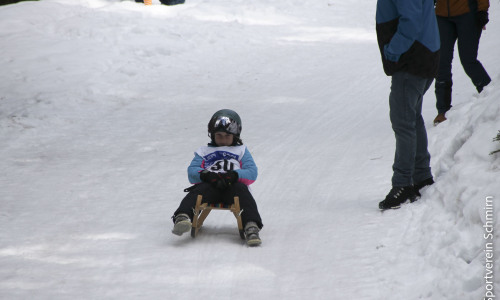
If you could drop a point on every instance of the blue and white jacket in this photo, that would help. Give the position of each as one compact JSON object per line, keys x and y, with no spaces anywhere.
{"x":408,"y":36}
{"x":223,"y":159}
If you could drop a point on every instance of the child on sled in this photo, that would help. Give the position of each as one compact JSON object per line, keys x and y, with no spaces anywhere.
{"x":220,"y":171}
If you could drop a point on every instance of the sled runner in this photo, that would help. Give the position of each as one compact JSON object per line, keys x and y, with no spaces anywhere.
{"x":202,"y":210}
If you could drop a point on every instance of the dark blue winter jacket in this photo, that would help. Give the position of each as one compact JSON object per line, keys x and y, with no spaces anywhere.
{"x":408,"y":36}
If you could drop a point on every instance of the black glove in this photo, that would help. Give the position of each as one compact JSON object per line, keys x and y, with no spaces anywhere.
{"x":482,"y":18}
{"x":229,"y":178}
{"x":210,"y":177}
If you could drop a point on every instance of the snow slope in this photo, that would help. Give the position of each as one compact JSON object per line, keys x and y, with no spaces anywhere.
{"x":102,"y":104}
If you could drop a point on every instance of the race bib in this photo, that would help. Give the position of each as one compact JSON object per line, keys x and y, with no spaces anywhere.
{"x":221,"y":159}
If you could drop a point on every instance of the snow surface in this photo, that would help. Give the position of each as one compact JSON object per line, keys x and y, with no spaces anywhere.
{"x":103,"y":103}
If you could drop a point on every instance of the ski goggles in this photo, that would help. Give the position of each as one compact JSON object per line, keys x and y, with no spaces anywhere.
{"x":226,"y":124}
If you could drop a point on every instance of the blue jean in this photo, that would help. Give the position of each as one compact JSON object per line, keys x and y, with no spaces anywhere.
{"x":412,"y":159}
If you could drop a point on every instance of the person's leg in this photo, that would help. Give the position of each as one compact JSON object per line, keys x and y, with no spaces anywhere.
{"x":443,"y":85}
{"x":405,"y":102}
{"x":469,"y":34}
{"x":209,"y":193}
{"x":248,"y":205}
{"x":422,"y":155}
{"x":250,"y":216}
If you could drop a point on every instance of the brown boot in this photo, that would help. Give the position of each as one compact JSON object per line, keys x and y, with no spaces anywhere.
{"x":439,"y":118}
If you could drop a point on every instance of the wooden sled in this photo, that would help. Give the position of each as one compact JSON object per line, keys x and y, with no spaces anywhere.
{"x":202,"y":210}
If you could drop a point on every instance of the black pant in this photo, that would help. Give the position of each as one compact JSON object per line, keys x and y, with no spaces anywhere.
{"x":250,"y":213}
{"x":464,"y":31}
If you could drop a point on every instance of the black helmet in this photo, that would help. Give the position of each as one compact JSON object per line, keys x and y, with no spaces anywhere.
{"x":225,"y":120}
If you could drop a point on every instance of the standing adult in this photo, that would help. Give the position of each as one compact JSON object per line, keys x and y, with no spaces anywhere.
{"x":461,"y":20}
{"x":408,"y":39}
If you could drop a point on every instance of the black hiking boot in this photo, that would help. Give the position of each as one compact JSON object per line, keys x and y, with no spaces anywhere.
{"x":397,"y":196}
{"x":418,"y":186}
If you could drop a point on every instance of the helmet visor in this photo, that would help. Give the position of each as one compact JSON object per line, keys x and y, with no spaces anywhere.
{"x":226,"y":124}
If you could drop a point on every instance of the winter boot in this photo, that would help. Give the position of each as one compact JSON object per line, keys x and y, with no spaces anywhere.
{"x":418,"y":186}
{"x":182,"y":224}
{"x":481,"y":86}
{"x":443,"y":99}
{"x":398,"y":196}
{"x":252,"y":234}
{"x":439,"y":119}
